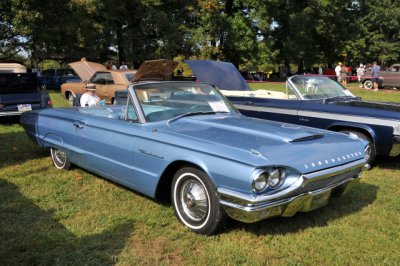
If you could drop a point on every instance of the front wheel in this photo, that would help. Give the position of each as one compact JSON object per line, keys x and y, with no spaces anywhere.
{"x":60,"y":159}
{"x":195,"y":201}
{"x":71,"y":100}
{"x":368,"y":84}
{"x":370,"y":150}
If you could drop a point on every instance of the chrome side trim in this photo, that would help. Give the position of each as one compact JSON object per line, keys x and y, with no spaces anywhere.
{"x":10,"y":113}
{"x":268,"y":109}
{"x":324,"y":115}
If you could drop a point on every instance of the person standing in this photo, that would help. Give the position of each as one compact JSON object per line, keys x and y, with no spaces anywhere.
{"x":375,"y":75}
{"x":338,"y":69}
{"x":343,"y":75}
{"x":123,"y":66}
{"x":360,"y":72}
{"x":89,"y":98}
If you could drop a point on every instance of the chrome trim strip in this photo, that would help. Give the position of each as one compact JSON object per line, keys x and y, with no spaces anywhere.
{"x":269,"y":109}
{"x":227,"y":195}
{"x":10,"y":113}
{"x":324,"y":115}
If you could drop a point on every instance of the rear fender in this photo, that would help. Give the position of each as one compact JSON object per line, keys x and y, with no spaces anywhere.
{"x":53,"y":140}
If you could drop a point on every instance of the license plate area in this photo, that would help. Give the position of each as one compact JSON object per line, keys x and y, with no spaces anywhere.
{"x":24,"y":107}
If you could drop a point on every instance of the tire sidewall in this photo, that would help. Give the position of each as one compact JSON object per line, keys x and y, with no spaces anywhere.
{"x":212,"y":221}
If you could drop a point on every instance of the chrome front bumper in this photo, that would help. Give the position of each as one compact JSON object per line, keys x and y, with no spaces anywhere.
{"x":310,"y":192}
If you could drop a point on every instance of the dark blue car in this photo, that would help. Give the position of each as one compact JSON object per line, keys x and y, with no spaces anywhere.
{"x":314,"y":101}
{"x":53,"y":78}
{"x":19,"y":93}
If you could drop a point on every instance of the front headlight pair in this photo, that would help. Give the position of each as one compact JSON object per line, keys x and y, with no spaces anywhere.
{"x":268,"y":178}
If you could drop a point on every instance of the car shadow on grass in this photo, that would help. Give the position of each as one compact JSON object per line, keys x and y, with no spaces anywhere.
{"x":388,"y":162}
{"x":17,"y":148}
{"x":360,"y":196}
{"x":31,"y":236}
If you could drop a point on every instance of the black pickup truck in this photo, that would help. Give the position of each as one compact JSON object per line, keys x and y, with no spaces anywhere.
{"x":19,"y":92}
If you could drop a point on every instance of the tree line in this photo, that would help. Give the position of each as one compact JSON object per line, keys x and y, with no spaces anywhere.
{"x":249,"y":33}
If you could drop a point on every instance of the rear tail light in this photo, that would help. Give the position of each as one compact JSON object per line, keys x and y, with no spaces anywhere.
{"x":49,"y":103}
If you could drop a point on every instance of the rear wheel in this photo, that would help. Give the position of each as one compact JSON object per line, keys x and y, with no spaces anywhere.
{"x":370,"y":150}
{"x":60,"y":159}
{"x":368,"y":84}
{"x":195,"y":201}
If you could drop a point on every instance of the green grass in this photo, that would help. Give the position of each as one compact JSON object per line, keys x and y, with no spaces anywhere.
{"x":73,"y":217}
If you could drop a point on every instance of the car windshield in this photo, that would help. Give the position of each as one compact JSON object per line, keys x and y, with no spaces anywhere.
{"x":318,"y":87}
{"x":168,"y":100}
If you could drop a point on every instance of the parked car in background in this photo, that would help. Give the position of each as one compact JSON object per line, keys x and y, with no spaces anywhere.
{"x":53,"y":78}
{"x":12,"y":68}
{"x":389,"y":78}
{"x":185,"y":142}
{"x":19,"y":92}
{"x":314,"y":101}
{"x":106,"y":81}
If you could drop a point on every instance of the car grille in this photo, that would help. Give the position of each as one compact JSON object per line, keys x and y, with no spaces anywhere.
{"x":325,"y":182}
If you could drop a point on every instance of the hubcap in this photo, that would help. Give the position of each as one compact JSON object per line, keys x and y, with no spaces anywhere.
{"x":60,"y":156}
{"x":194,"y":200}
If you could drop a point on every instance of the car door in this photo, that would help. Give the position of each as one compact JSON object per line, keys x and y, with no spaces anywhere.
{"x":105,"y":146}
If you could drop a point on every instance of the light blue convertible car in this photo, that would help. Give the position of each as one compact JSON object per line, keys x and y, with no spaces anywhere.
{"x":185,"y":142}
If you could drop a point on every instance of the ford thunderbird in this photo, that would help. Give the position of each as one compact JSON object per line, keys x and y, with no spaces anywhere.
{"x":184,"y":142}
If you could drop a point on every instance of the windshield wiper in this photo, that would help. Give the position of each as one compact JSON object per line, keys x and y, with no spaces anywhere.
{"x":189,"y":114}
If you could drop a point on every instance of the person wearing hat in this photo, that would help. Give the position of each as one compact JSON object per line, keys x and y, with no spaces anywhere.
{"x":89,"y":98}
{"x":360,"y":72}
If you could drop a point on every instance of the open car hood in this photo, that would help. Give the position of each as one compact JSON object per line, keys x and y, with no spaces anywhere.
{"x":155,"y":70}
{"x":85,"y":69}
{"x":222,"y":74}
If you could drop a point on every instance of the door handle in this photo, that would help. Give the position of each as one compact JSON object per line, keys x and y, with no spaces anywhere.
{"x":78,"y":125}
{"x":248,"y":103}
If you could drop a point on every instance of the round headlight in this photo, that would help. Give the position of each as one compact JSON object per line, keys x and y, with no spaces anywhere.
{"x":260,"y":182}
{"x":276,"y":177}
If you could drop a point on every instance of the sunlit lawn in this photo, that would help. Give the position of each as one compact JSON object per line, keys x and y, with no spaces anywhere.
{"x":73,"y":217}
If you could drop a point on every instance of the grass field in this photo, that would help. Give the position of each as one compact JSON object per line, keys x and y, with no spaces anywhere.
{"x":73,"y":217}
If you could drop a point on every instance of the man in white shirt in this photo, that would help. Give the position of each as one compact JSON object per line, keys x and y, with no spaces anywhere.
{"x":89,"y":98}
{"x":360,"y":72}
{"x":338,"y":68}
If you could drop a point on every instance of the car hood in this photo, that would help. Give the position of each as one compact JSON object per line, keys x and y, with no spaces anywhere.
{"x":267,"y":142}
{"x":222,"y":74}
{"x":85,"y":69}
{"x":161,"y":69}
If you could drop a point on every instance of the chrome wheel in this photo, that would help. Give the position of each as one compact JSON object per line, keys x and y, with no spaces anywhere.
{"x":195,"y":201}
{"x":71,"y":100}
{"x":60,"y":159}
{"x":368,"y":84}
